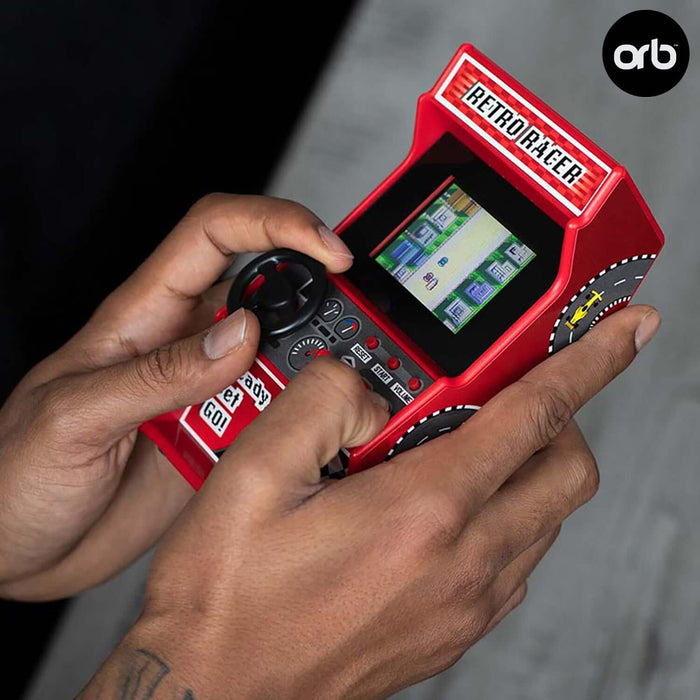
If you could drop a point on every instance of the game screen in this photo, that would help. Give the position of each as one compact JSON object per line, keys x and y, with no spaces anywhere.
{"x":454,"y":257}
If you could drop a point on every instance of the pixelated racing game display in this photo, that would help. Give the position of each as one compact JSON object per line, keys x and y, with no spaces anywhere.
{"x":454,"y":257}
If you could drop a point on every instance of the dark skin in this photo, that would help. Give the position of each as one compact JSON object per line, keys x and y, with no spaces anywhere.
{"x":68,"y":432}
{"x":272,"y":583}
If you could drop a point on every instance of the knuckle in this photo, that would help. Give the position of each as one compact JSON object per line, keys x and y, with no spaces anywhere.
{"x":57,"y":411}
{"x":551,"y":408}
{"x":284,"y":218}
{"x":518,"y":597}
{"x":210,"y":213}
{"x":584,"y":475}
{"x":457,"y":638}
{"x":341,"y":395}
{"x":337,"y":381}
{"x":474,"y":624}
{"x":477,"y":569}
{"x":50,"y":405}
{"x":160,"y":366}
{"x":208,"y":202}
{"x":434,"y":521}
{"x":291,"y":214}
{"x":499,"y":608}
{"x":476,"y":579}
{"x":254,"y":485}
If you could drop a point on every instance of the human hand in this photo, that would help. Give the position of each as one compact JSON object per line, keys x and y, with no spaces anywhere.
{"x":81,"y":495}
{"x":274,"y":584}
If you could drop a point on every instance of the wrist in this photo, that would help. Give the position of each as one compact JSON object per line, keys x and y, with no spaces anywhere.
{"x":215,"y":657}
{"x":148,"y":663}
{"x":201,"y":655}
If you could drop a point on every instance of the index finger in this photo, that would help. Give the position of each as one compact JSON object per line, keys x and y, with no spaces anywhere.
{"x":150,"y":308}
{"x":324,"y":407}
{"x":473,"y":461}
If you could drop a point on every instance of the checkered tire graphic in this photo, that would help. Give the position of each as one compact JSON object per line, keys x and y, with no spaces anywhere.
{"x":581,"y":192}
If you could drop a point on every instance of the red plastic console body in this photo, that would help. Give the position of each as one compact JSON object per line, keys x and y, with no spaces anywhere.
{"x":607,"y":226}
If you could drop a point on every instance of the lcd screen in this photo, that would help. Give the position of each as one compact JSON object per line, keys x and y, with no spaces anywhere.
{"x":454,"y":257}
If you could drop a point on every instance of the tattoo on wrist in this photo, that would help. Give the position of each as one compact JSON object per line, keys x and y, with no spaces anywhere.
{"x":138,"y":674}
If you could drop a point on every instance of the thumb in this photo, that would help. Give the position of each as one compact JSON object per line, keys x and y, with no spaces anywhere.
{"x":325,"y":407}
{"x":185,"y":372}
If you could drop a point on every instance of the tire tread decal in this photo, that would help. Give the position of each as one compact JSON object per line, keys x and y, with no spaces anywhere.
{"x":460,"y":407}
{"x":593,"y":280}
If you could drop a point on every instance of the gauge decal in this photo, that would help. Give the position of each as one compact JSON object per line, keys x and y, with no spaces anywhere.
{"x":304,"y":350}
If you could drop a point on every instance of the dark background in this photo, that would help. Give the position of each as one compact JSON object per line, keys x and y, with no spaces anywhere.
{"x":115,"y":118}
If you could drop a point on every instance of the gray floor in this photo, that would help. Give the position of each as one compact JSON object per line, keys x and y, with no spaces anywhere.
{"x":614,"y":610}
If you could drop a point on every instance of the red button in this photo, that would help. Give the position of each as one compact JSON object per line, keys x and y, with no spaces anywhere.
{"x":322,"y":353}
{"x":393,"y":363}
{"x":414,"y":383}
{"x":372,"y":342}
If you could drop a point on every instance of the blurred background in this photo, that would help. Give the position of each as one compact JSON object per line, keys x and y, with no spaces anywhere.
{"x":116,"y":117}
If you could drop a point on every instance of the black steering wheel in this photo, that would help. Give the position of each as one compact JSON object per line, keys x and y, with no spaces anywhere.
{"x":282,"y":300}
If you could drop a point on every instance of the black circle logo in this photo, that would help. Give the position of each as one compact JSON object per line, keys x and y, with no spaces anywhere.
{"x":646,"y":53}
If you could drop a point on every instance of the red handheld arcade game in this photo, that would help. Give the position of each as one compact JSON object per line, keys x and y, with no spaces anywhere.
{"x":503,"y":236}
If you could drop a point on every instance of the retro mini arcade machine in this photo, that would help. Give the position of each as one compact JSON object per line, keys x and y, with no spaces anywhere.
{"x":503,"y":237}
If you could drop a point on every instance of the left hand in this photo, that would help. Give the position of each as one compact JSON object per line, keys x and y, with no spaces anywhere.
{"x":81,"y":495}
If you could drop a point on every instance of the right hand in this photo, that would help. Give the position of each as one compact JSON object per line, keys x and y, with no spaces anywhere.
{"x":273,"y":584}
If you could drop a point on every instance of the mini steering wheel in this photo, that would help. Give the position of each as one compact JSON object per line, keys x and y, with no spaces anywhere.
{"x":268,"y":287}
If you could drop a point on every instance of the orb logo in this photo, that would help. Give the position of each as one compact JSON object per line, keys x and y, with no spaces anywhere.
{"x":637,"y":56}
{"x":646,"y":53}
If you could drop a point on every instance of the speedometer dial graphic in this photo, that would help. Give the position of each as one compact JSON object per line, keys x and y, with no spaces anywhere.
{"x":304,"y":350}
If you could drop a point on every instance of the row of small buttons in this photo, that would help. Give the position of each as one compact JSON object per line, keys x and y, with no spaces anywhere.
{"x":393,"y":363}
{"x":346,"y":328}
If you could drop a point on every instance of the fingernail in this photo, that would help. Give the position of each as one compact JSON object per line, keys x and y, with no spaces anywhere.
{"x":646,"y":329}
{"x":334,"y":243}
{"x":225,"y":336}
{"x":380,"y":401}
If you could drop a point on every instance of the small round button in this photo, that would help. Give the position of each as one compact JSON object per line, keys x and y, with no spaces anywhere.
{"x":330,"y":310}
{"x":414,"y":384}
{"x":393,"y":363}
{"x":347,"y":327}
{"x":372,"y":342}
